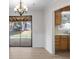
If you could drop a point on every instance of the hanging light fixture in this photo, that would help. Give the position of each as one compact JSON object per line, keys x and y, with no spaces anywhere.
{"x":20,"y":8}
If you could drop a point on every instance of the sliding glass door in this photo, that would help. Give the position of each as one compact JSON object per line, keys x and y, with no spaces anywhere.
{"x":20,"y":34}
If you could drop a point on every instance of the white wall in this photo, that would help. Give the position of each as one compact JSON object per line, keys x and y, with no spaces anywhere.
{"x":37,"y":27}
{"x":50,"y":23}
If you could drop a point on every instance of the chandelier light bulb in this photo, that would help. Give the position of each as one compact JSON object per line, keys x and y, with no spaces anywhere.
{"x":17,"y":6}
{"x":26,"y":9}
{"x":15,"y":9}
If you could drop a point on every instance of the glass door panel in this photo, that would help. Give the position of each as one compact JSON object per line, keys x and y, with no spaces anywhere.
{"x":26,"y":34}
{"x":14,"y":31}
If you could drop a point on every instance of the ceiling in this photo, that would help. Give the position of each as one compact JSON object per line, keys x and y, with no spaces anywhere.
{"x":31,"y":4}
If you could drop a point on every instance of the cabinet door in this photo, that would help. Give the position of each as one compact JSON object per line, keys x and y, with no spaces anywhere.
{"x":57,"y":42}
{"x":57,"y":18}
{"x":64,"y":42}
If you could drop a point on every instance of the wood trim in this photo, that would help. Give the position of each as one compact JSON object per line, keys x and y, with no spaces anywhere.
{"x":20,"y":18}
{"x":66,"y":8}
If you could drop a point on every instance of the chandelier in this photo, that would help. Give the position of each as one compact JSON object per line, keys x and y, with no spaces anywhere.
{"x":20,"y":8}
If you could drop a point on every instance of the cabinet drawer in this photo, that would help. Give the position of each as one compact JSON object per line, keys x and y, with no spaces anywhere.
{"x":64,"y":37}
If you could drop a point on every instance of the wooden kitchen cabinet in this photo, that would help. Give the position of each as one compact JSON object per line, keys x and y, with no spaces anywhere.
{"x":62,"y":43}
{"x":57,"y":17}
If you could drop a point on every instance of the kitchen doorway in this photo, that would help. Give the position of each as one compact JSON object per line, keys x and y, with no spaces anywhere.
{"x":62,"y":31}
